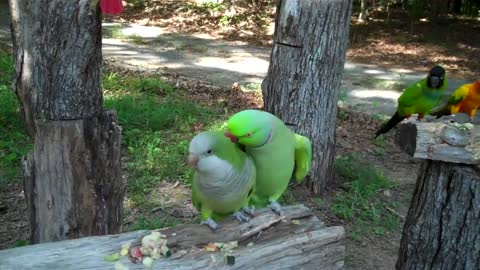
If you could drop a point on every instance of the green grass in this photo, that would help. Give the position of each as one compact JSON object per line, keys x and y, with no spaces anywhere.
{"x":157,"y":127}
{"x":114,"y":32}
{"x":136,"y":39}
{"x":143,"y":223}
{"x":361,"y":203}
{"x":380,"y":145}
{"x":13,"y":141}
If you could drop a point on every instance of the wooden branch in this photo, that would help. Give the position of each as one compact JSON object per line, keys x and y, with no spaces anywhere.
{"x":277,"y":243}
{"x":449,"y":142}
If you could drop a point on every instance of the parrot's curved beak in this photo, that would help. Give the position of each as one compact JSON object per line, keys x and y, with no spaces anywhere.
{"x":231,"y":137}
{"x":192,"y":160}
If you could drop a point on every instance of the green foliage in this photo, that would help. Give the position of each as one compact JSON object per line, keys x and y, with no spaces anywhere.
{"x":13,"y":141}
{"x":361,"y":203}
{"x":21,"y":243}
{"x":415,"y":8}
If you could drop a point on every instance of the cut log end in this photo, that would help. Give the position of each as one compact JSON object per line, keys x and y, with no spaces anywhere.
{"x":449,"y":142}
{"x":296,"y":240}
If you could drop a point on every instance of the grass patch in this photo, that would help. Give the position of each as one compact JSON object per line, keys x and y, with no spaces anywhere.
{"x":143,"y":223}
{"x":136,"y":39}
{"x":114,"y":32}
{"x":361,"y":203}
{"x":157,"y":126}
{"x":380,"y":146}
{"x":13,"y":141}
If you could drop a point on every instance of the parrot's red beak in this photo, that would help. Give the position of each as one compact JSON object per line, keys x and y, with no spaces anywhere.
{"x":231,"y":137}
{"x":192,"y":161}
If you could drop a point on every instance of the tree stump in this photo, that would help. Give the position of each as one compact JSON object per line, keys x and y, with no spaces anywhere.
{"x":298,"y":240}
{"x":442,"y":228}
{"x":304,"y":75}
{"x":72,"y":178}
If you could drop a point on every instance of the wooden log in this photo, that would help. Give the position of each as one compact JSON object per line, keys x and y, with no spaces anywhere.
{"x":296,"y":241}
{"x":442,"y":228}
{"x":449,"y":142}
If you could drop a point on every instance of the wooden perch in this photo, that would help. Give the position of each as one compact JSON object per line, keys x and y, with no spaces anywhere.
{"x":278,"y":243}
{"x":449,"y":142}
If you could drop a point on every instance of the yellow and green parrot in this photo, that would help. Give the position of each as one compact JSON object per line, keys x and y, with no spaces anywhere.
{"x":223,"y":180}
{"x":466,"y":99}
{"x":418,"y":98}
{"x":278,"y":154}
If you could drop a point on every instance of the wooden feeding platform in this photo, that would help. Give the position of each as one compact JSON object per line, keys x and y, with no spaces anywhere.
{"x":296,"y":240}
{"x":442,"y":227}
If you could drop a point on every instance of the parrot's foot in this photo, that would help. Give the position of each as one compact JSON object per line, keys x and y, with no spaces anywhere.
{"x":249,"y":210}
{"x":241,"y":217}
{"x":211,"y":224}
{"x":276,"y":207}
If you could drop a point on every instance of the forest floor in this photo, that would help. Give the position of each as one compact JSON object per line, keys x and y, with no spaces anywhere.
{"x":161,"y":109}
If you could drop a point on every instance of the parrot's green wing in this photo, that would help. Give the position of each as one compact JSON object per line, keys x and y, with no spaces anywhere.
{"x":409,"y":97}
{"x":460,"y":94}
{"x":195,"y":200}
{"x":303,"y":157}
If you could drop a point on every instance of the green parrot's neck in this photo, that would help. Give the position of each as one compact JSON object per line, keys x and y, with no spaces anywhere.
{"x":270,"y":135}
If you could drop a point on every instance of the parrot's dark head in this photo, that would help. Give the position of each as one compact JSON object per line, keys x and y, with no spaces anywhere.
{"x":251,"y":128}
{"x":436,"y":77}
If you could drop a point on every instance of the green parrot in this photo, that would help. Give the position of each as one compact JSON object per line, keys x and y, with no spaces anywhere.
{"x":223,"y":180}
{"x":418,"y":98}
{"x":278,"y":154}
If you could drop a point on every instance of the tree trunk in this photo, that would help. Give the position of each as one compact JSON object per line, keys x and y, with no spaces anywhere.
{"x":442,"y":229}
{"x":72,"y":177}
{"x":303,"y":79}
{"x":363,"y":11}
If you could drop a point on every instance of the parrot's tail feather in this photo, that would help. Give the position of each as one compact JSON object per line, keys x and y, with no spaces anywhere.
{"x":394,"y":120}
{"x":303,"y":157}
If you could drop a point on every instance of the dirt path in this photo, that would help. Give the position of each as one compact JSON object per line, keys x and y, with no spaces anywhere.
{"x":367,"y":88}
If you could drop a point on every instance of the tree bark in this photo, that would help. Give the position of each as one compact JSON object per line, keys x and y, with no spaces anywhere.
{"x":72,"y":177}
{"x":442,"y":229}
{"x":303,"y":79}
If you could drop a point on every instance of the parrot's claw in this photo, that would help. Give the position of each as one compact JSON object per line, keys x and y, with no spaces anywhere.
{"x":211,"y":224}
{"x":241,"y":217}
{"x":249,"y":210}
{"x":276,"y":207}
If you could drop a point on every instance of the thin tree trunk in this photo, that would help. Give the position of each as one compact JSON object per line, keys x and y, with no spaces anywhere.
{"x":363,"y":11}
{"x":303,"y":79}
{"x":442,"y":228}
{"x":72,"y":177}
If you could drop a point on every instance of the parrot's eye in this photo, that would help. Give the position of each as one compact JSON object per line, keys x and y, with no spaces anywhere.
{"x":249,"y":134}
{"x":209,"y":151}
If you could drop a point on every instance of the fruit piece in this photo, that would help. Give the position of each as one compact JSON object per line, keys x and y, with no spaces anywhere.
{"x":229,"y":259}
{"x":136,"y":253}
{"x":211,"y":247}
{"x":147,"y":262}
{"x":112,"y":257}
